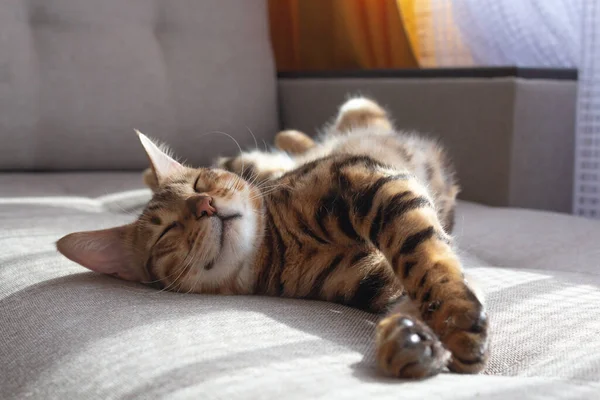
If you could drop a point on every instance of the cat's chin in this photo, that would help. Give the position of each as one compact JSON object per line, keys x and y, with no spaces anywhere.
{"x":234,"y":233}
{"x":231,"y":234}
{"x":229,"y":226}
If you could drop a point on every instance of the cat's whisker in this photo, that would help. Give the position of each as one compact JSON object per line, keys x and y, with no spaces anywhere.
{"x":262,"y":185}
{"x":272,"y":183}
{"x":266,"y":186}
{"x":196,"y":257}
{"x":167,"y":288}
{"x":193,"y":286}
{"x":253,"y":179}
{"x":181,"y":281}
{"x":185,"y":264}
{"x":253,"y":137}
{"x":235,"y":181}
{"x":174,"y":272}
{"x":182,"y":271}
{"x":264,"y":193}
{"x":188,"y":263}
{"x":233,"y":139}
{"x":231,"y":183}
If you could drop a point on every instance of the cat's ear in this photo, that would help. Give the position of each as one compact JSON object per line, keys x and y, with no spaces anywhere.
{"x":162,"y":164}
{"x":105,"y":251}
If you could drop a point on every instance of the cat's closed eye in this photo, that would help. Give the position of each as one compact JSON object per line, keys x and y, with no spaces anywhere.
{"x":199,"y":185}
{"x":168,"y":229}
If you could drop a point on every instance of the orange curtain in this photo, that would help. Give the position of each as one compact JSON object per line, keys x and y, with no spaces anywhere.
{"x":339,"y":34}
{"x":433,"y":33}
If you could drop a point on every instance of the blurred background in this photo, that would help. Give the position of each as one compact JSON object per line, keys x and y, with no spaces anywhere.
{"x":374,"y":34}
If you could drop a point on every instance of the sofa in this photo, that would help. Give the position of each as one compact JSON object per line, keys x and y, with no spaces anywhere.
{"x":77,"y":76}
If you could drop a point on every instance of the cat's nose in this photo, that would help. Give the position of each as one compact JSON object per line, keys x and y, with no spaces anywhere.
{"x":200,"y":206}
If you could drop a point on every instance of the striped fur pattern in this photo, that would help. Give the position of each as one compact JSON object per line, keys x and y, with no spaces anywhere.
{"x":345,"y":228}
{"x":362,"y":127}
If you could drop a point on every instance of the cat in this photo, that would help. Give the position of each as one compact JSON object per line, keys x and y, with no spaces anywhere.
{"x":334,"y":226}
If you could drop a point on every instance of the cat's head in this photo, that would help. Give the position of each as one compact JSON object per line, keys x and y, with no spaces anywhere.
{"x":197,"y":233}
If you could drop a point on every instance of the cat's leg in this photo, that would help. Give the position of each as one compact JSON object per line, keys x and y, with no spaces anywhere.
{"x":294,"y":142}
{"x":361,"y":112}
{"x":394,"y":212}
{"x":258,"y":166}
{"x":358,"y":112}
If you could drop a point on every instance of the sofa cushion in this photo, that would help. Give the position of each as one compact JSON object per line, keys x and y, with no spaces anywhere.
{"x":541,"y":240}
{"x":76,"y":78}
{"x":69,"y":333}
{"x":21,"y":185}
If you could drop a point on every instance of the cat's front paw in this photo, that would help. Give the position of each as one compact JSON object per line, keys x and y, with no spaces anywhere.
{"x":462,"y":325}
{"x":468,"y":342}
{"x":407,"y":348}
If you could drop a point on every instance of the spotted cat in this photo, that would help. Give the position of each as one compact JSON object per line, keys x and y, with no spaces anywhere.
{"x":341,"y":225}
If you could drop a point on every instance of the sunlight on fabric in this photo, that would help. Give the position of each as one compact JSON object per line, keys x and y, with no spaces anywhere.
{"x":496,"y":279}
{"x":222,"y":345}
{"x":122,"y":201}
{"x":548,"y":305}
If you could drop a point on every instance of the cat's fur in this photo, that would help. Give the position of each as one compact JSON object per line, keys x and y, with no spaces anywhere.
{"x":362,"y":127}
{"x":349,"y":228}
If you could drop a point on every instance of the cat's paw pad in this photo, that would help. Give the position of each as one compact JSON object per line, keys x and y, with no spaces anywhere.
{"x":407,"y":348}
{"x":462,"y":325}
{"x":361,"y":112}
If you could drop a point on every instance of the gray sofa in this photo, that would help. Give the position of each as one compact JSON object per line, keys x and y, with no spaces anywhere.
{"x":76,"y":76}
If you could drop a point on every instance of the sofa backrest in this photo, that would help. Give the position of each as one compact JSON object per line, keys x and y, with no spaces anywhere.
{"x":77,"y":76}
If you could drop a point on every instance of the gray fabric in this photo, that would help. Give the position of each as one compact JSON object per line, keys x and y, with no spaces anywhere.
{"x":88,"y":184}
{"x":77,"y":76}
{"x":511,"y":139}
{"x":68,"y":333}
{"x":543,"y":145}
{"x":511,"y":237}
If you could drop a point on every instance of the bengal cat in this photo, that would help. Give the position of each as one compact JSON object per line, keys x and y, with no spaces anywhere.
{"x":351,"y":227}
